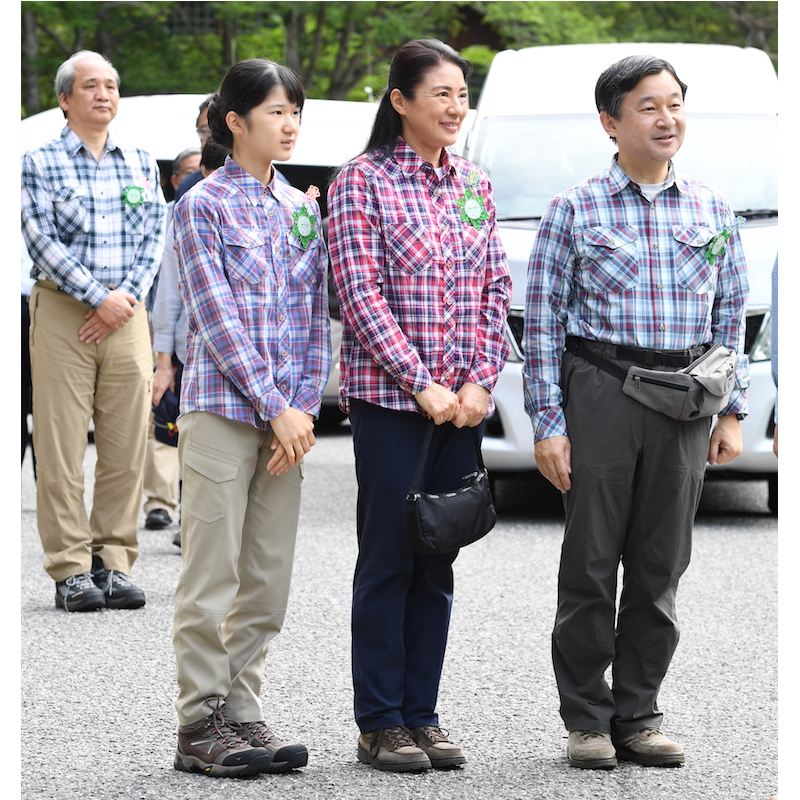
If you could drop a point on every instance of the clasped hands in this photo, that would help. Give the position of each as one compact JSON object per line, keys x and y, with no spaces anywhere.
{"x":465,"y":408}
{"x":114,"y":312}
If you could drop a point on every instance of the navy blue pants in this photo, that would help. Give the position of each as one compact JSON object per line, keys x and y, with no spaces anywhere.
{"x":401,"y":599}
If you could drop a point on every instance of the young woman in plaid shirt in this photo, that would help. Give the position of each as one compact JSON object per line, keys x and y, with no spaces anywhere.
{"x":424,"y":289}
{"x":252,"y":274}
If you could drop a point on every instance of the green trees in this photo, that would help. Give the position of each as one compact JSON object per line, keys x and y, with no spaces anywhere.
{"x":342,"y":49}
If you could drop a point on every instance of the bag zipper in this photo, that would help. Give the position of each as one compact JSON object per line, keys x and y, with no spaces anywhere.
{"x":637,"y":379}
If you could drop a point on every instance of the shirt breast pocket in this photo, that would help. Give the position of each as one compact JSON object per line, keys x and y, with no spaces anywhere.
{"x":612,"y":257}
{"x":302,"y":260}
{"x":476,"y":243}
{"x":69,"y":207}
{"x":691,"y":265}
{"x":245,"y":254}
{"x":409,"y":247}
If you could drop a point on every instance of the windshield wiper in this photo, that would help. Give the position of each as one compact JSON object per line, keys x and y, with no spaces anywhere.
{"x":757,"y":212}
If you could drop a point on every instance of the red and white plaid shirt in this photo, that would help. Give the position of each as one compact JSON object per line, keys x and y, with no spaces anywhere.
{"x":422,"y":278}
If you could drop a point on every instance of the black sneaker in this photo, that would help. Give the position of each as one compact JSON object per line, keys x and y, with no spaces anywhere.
{"x":285,"y":755}
{"x":157,"y":519}
{"x":79,"y":593}
{"x":117,"y":588}
{"x":211,"y":746}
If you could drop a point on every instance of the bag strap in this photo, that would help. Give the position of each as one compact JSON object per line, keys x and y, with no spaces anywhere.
{"x":424,"y":454}
{"x":580,"y":350}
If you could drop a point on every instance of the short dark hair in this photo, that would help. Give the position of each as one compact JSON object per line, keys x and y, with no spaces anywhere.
{"x":245,"y":86}
{"x":409,"y":66}
{"x":202,"y":108}
{"x":622,"y":76}
{"x":213,"y":155}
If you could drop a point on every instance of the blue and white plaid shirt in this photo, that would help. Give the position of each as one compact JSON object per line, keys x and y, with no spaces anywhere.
{"x":611,"y":266}
{"x":80,"y":231}
{"x":255,"y":292}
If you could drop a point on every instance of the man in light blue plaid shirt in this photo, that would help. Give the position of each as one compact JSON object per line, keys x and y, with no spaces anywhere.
{"x":93,"y":221}
{"x":639,"y":265}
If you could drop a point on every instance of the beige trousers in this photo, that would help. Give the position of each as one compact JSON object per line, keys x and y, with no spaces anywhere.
{"x":74,"y":383}
{"x":238,"y":530}
{"x":160,"y":474}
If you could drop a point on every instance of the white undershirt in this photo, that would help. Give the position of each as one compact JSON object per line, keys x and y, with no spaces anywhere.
{"x":651,"y":190}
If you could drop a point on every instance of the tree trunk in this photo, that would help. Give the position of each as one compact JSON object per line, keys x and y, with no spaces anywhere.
{"x":30,"y":75}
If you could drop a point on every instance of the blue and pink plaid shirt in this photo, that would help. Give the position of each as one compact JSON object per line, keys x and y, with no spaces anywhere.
{"x":81,"y":231}
{"x":254,"y":285}
{"x":611,"y":266}
{"x":422,"y":278}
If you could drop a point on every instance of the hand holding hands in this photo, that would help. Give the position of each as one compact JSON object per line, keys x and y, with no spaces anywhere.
{"x":294,"y":437}
{"x":114,"y":312}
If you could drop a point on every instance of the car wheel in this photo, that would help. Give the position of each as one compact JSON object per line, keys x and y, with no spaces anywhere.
{"x":773,"y":494}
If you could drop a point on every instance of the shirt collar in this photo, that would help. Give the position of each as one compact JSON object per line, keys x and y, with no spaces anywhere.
{"x":410,"y":163}
{"x":618,"y":179}
{"x":73,"y":143}
{"x":253,"y":189}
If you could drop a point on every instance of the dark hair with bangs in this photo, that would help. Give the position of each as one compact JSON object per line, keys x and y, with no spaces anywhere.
{"x":618,"y":79}
{"x":409,"y":66}
{"x":245,"y":86}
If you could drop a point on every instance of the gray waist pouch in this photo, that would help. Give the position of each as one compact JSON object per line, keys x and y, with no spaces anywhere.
{"x":701,"y":389}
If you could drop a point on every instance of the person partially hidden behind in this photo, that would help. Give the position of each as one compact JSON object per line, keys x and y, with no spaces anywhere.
{"x":93,"y":221}
{"x":626,"y":267}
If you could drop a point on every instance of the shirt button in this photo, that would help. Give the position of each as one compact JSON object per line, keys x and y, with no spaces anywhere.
{"x":659,"y":286}
{"x":655,"y":245}
{"x":662,"y":327}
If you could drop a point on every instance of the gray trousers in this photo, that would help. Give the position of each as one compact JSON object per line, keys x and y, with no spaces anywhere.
{"x":637,"y":477}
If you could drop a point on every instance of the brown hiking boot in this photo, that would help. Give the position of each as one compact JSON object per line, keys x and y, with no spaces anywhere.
{"x":591,"y":750}
{"x":440,"y":750}
{"x":393,"y":750}
{"x":212,"y":747}
{"x":650,"y":748}
{"x":285,"y":755}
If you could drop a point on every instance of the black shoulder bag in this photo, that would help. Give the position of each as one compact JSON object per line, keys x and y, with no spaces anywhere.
{"x":441,"y":523}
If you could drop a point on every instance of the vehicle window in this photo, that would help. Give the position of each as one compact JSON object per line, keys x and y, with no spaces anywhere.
{"x":532,"y":158}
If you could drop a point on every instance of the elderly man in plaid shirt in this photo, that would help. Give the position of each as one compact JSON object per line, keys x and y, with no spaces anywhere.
{"x":625,"y":268}
{"x":93,"y":221}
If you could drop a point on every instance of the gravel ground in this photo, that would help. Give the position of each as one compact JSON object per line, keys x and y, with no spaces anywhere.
{"x":97,"y":688}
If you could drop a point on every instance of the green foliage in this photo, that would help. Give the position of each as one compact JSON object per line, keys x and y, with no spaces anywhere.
{"x":339,"y":48}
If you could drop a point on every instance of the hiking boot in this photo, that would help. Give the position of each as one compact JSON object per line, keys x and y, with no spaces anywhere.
{"x":158,"y":519}
{"x":393,"y":750}
{"x":650,"y":748}
{"x":211,"y":746}
{"x":285,"y":756}
{"x":440,"y":750}
{"x":79,"y":593}
{"x":591,"y":750}
{"x":117,"y":588}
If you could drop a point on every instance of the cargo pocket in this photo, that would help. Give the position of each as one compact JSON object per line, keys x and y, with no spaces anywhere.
{"x":207,"y":484}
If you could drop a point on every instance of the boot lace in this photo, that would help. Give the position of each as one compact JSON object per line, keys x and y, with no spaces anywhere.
{"x":398,"y":736}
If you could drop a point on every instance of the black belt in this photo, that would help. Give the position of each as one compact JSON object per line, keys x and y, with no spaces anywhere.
{"x":639,"y":355}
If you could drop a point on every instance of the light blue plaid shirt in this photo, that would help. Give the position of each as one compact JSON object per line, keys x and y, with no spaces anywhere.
{"x":80,"y":231}
{"x":611,"y":266}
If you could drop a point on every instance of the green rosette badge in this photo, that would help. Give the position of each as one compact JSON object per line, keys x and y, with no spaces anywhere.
{"x":305,"y":223}
{"x":472,"y":203}
{"x":716,"y":247}
{"x":133,"y":195}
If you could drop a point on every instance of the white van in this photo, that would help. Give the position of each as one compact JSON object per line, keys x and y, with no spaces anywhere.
{"x":537,"y":132}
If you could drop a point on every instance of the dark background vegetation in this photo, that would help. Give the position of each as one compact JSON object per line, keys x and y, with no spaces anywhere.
{"x":342,"y":49}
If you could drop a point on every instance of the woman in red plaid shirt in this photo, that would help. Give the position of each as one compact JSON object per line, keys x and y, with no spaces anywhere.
{"x":424,"y":289}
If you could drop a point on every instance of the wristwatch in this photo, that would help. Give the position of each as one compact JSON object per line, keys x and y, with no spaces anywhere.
{"x":740,"y":417}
